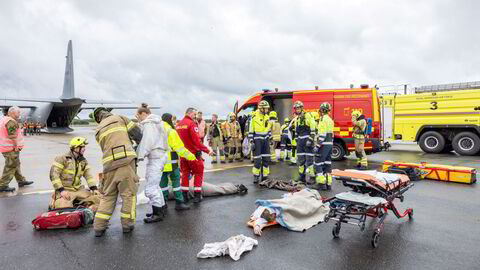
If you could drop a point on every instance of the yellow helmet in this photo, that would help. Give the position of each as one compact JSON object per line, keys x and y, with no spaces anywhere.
{"x":298,"y":104}
{"x":77,"y":141}
{"x":273,"y":114}
{"x":356,"y":113}
{"x":263,"y":104}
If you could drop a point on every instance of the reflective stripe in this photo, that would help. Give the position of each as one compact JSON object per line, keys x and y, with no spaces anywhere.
{"x":109,"y":131}
{"x":197,"y":189}
{"x":184,"y":188}
{"x":261,"y":133}
{"x":118,"y":156}
{"x":328,"y":162}
{"x":173,"y":161}
{"x":318,"y":164}
{"x":310,"y":154}
{"x":327,"y":143}
{"x":58,"y":165}
{"x":304,"y":137}
{"x":301,"y":154}
{"x":69,"y":171}
{"x":123,"y":215}
{"x":91,"y":182}
{"x":175,"y":189}
{"x":257,"y":157}
{"x":266,"y":155}
{"x":133,"y":213}
{"x":165,"y":189}
{"x":130,"y":125}
{"x":102,"y":216}
{"x":57,"y":181}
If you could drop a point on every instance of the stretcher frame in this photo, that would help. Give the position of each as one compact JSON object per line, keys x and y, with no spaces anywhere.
{"x":356,"y":213}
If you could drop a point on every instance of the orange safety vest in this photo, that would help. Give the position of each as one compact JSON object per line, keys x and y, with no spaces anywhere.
{"x":6,"y":144}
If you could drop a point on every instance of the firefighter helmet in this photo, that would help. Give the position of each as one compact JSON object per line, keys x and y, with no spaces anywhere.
{"x":298,"y":104}
{"x":286,"y":120}
{"x":97,"y":111}
{"x":77,"y":142}
{"x":325,"y":107}
{"x":263,"y":104}
{"x":356,"y":113}
{"x":273,"y":114}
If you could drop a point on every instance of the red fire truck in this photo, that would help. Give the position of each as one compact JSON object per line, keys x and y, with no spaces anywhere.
{"x":344,"y":101}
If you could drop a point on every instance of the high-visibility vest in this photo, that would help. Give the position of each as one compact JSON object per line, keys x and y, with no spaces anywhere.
{"x":176,"y":147}
{"x":112,"y":136}
{"x":305,"y":125}
{"x":260,"y":125}
{"x":6,"y":144}
{"x":325,"y":130}
{"x":276,"y":130}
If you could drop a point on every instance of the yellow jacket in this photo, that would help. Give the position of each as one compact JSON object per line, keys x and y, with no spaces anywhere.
{"x":66,"y":173}
{"x":176,"y":148}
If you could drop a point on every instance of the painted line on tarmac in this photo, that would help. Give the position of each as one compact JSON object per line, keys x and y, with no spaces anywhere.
{"x":141,"y":180}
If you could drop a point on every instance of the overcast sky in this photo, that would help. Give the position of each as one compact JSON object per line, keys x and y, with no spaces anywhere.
{"x":208,"y":54}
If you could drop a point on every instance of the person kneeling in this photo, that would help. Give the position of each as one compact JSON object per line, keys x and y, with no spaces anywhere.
{"x":65,"y":175}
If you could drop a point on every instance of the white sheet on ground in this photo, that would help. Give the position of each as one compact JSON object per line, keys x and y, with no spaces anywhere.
{"x":361,"y":198}
{"x":234,"y":246}
{"x":386,"y":178}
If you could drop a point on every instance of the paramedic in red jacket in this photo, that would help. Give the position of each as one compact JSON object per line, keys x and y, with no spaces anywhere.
{"x":188,"y":132}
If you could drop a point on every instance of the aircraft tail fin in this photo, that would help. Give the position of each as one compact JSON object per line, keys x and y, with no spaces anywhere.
{"x":68,"y":82}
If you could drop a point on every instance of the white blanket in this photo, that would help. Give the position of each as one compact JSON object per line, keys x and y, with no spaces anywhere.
{"x":386,"y":178}
{"x":361,"y":198}
{"x":234,"y":246}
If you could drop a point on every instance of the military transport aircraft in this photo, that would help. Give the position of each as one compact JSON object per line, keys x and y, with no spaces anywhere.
{"x":57,"y":113}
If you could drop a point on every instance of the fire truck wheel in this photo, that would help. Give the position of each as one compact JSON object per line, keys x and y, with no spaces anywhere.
{"x":466,"y":143}
{"x":338,"y":152}
{"x":432,"y":142}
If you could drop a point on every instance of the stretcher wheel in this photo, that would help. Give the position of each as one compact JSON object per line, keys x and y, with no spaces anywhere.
{"x":326,"y":218}
{"x":336,"y":231}
{"x":375,"y":238}
{"x":410,"y":214}
{"x":362,"y":227}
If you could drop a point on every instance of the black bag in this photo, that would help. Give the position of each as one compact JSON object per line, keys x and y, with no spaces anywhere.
{"x":413,"y":173}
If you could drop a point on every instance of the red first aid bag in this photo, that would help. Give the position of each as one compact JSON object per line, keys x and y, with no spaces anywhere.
{"x":59,"y":219}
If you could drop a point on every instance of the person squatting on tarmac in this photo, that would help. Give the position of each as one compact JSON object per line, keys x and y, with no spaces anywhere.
{"x":323,"y":149}
{"x":114,"y":134}
{"x":305,"y":128}
{"x":285,"y":141}
{"x":359,"y":130}
{"x":11,"y":143}
{"x":276,"y":133}
{"x":188,"y":132}
{"x":215,"y":139}
{"x":65,"y":175}
{"x":259,"y":135}
{"x":171,"y":169}
{"x":154,"y":146}
{"x":234,"y":137}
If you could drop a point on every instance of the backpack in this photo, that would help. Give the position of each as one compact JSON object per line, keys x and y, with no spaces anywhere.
{"x":65,"y":218}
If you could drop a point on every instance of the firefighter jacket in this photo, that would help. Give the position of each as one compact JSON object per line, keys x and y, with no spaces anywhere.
{"x":114,"y":134}
{"x":260,"y":126}
{"x":276,"y":130}
{"x":359,"y":127}
{"x":233,"y":130}
{"x":325,"y":131}
{"x":214,"y":130}
{"x":188,"y":132}
{"x":176,"y":148}
{"x":305,"y":125}
{"x":66,"y":172}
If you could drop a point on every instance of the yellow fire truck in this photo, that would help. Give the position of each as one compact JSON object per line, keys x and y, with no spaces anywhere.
{"x":439,"y":121}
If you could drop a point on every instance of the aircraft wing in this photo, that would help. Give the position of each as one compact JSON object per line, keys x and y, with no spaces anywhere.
{"x":46,"y":100}
{"x":113,"y":106}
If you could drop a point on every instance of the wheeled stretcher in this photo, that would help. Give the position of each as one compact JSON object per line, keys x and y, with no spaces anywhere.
{"x":372,"y":195}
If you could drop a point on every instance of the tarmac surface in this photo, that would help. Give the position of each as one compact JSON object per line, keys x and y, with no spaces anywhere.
{"x":443,"y":234}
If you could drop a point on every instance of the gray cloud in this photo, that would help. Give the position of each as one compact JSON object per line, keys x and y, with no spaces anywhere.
{"x":208,"y":54}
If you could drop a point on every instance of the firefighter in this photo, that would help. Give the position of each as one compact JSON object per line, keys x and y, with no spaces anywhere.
{"x":30,"y":128}
{"x":259,"y":135}
{"x":66,"y":173}
{"x":223,"y":126}
{"x":305,"y":133}
{"x":215,"y":139}
{"x":323,"y":149}
{"x":39,"y":127}
{"x":171,"y":169}
{"x":114,"y":134}
{"x":234,"y":136}
{"x":25,"y":128}
{"x":187,"y":130}
{"x":11,"y":143}
{"x":285,"y":141}
{"x":359,"y":130}
{"x":276,"y":133}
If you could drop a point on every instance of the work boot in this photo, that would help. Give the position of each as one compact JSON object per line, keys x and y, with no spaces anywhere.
{"x":197,"y":198}
{"x":329,"y":187}
{"x":165,"y":207}
{"x":128,"y":229}
{"x":256,"y":179}
{"x":301,"y":179}
{"x":7,"y":189}
{"x":214,"y":161}
{"x":264,"y":178}
{"x":99,"y":233}
{"x":24,"y":183}
{"x":179,"y":206}
{"x":242,"y":189}
{"x":158,"y":215}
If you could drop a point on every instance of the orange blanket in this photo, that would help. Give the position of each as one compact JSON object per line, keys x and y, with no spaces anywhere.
{"x":404,"y":180}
